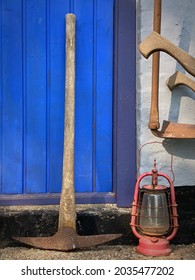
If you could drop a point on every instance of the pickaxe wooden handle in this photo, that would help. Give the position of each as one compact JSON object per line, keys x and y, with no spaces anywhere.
{"x":67,"y":213}
{"x":155,"y":42}
{"x":180,"y":79}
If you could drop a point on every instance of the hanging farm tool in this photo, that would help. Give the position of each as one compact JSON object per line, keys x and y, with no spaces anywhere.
{"x":66,"y":238}
{"x":178,"y":79}
{"x":153,"y":44}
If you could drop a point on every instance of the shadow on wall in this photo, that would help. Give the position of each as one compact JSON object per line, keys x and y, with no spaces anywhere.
{"x":183,"y":148}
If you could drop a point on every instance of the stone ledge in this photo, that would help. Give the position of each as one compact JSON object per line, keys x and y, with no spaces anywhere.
{"x":91,"y":219}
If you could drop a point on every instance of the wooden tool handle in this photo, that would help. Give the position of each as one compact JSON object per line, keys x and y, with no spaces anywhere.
{"x":155,"y":42}
{"x":154,"y":110}
{"x":67,"y":213}
{"x":180,"y":79}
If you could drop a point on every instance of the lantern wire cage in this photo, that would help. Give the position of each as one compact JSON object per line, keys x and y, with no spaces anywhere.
{"x":142,"y":213}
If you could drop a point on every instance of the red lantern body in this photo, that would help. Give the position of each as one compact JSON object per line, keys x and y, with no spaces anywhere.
{"x":154,"y":219}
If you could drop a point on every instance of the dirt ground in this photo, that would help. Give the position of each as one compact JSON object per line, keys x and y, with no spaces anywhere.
{"x":103,"y":252}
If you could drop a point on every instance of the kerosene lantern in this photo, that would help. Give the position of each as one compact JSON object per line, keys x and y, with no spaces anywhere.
{"x":154,"y":219}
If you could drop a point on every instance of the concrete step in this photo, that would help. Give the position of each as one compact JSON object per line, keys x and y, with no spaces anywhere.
{"x":91,"y":219}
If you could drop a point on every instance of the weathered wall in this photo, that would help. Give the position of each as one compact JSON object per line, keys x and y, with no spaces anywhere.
{"x":178,"y":26}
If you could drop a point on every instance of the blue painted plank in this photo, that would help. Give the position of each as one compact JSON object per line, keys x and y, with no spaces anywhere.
{"x":1,"y":95}
{"x":36,"y":130}
{"x":11,"y":97}
{"x":84,"y":95}
{"x":56,"y":81}
{"x":71,"y":6}
{"x":103,"y":95}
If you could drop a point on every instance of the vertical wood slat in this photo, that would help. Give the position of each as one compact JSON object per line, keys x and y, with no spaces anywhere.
{"x":1,"y":93}
{"x":104,"y":96}
{"x":84,"y":96}
{"x":36,"y":96}
{"x":11,"y":97}
{"x":24,"y":83}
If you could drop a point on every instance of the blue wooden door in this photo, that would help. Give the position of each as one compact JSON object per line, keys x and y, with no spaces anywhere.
{"x":32,"y":62}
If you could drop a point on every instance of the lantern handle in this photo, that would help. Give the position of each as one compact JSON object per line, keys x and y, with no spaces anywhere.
{"x":139,"y":158}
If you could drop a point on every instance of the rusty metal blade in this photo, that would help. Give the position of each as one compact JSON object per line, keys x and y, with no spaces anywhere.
{"x":155,"y":42}
{"x":175,"y":130}
{"x":178,"y":79}
{"x":66,"y":239}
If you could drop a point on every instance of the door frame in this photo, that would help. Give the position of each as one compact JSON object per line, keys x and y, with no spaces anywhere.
{"x":125,"y":102}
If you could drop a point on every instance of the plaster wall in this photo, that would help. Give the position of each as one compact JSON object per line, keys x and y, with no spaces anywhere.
{"x":178,"y":26}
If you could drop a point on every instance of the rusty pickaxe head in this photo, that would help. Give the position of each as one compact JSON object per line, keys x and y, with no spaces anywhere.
{"x":66,"y":239}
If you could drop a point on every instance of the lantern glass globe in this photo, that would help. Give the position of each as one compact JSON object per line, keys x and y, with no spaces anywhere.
{"x":154,"y":214}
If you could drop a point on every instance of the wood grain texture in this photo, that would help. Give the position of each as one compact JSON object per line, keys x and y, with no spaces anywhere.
{"x":154,"y":108}
{"x":178,"y":79}
{"x":67,"y":213}
{"x":155,"y":42}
